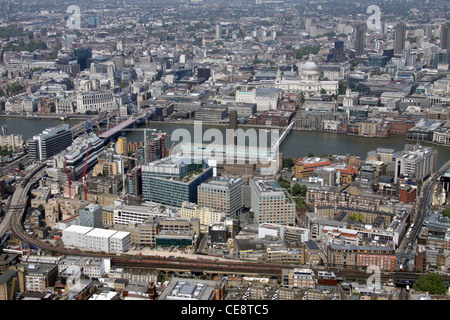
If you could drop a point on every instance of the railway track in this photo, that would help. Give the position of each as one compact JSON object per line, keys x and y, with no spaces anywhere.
{"x":198,"y":265}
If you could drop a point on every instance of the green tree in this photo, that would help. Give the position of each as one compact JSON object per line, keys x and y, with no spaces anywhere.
{"x":446,"y":213}
{"x":284,"y":184}
{"x":296,"y":189}
{"x":310,"y":155}
{"x":342,"y":87}
{"x":15,"y":88}
{"x":432,"y":283}
{"x":288,"y":163}
{"x":303,"y":190}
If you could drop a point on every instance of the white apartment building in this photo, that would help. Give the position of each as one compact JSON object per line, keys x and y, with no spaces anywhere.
{"x":415,"y":161}
{"x":120,"y":241}
{"x":96,"y":239}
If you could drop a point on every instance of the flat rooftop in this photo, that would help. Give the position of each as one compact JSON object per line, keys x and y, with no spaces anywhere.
{"x":78,"y":229}
{"x":101,"y":233}
{"x":184,"y":289}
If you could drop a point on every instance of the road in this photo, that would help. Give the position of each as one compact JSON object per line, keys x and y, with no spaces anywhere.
{"x":199,"y":265}
{"x":425,"y":198}
{"x":18,"y":200}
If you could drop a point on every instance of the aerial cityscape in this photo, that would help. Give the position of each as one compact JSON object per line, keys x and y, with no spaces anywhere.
{"x":223,"y":150}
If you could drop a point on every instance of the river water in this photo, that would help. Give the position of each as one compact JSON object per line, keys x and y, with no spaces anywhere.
{"x":296,"y":144}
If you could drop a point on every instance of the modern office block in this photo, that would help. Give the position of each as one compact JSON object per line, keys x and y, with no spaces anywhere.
{"x":270,"y":203}
{"x":74,"y":156}
{"x":91,"y":216}
{"x":399,"y":38}
{"x":360,"y":39}
{"x":172,"y":181}
{"x":49,"y":142}
{"x":224,"y":194}
{"x":416,"y":162}
{"x":445,"y":36}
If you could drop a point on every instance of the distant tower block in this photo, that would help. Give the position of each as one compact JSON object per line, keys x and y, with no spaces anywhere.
{"x":445,"y":36}
{"x":399,"y":38}
{"x":360,"y":39}
{"x":218,"y":31}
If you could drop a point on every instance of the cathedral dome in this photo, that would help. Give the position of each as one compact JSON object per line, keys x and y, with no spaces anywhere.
{"x":309,"y":65}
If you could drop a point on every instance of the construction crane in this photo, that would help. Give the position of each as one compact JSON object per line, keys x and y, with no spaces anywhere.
{"x":84,"y":174}
{"x":68,"y":178}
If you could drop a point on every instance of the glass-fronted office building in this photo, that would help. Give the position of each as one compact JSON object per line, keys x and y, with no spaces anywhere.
{"x":173,"y":181}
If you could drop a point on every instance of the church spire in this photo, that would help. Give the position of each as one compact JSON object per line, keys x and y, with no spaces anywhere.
{"x":278,"y":78}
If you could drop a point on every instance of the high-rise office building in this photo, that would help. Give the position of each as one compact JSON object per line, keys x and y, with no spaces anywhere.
{"x":445,"y":35}
{"x":204,"y":73}
{"x":49,"y":142}
{"x":308,"y":24}
{"x":270,"y":203}
{"x":218,"y":31}
{"x":91,"y":216}
{"x":337,"y":54}
{"x":172,"y":180}
{"x":399,"y":38}
{"x":223,"y":194}
{"x":93,"y":21}
{"x":82,"y":55}
{"x":416,"y":162}
{"x":360,"y":39}
{"x":82,"y":153}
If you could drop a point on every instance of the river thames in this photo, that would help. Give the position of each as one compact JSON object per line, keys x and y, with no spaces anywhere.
{"x":297,"y":143}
